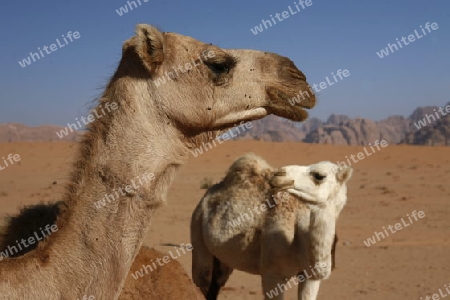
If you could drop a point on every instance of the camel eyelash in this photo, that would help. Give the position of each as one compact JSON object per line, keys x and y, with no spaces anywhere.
{"x":317,"y":176}
{"x":221,"y":64}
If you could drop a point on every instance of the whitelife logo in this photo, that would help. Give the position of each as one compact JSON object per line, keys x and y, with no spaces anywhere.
{"x":53,"y":47}
{"x":397,"y":226}
{"x":90,"y":118}
{"x":411,"y":38}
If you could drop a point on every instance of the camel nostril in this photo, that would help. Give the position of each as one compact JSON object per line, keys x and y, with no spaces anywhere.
{"x":288,"y":70}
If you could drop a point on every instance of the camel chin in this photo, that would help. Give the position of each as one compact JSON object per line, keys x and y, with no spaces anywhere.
{"x":234,"y":118}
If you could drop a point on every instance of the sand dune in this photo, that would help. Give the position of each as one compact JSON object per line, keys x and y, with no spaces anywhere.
{"x":386,"y":186}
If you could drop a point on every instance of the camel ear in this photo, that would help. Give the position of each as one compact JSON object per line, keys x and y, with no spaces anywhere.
{"x":344,"y":174}
{"x":280,"y":181}
{"x":149,"y":45}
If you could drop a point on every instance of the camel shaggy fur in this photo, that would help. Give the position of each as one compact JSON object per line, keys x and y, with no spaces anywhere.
{"x":169,"y":282}
{"x":277,"y":224}
{"x":151,"y":129}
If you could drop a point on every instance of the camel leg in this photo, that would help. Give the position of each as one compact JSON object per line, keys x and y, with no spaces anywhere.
{"x":202,"y":266}
{"x":202,"y":260}
{"x":274,"y":287}
{"x":308,"y":289}
{"x":220,"y":275}
{"x":333,"y":252}
{"x":208,"y":273}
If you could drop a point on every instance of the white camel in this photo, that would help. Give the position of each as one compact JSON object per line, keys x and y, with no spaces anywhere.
{"x":246,"y":223}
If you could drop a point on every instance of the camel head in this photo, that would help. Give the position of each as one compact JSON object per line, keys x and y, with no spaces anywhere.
{"x":319,"y":184}
{"x":323,"y":188}
{"x":200,"y":87}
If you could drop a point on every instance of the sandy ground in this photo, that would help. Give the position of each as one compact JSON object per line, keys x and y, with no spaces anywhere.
{"x":388,"y":185}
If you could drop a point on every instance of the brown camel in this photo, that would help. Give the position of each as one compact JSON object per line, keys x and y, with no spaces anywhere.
{"x":169,"y":282}
{"x":151,"y":131}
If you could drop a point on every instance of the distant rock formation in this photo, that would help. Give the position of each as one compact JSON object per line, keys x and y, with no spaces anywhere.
{"x":432,"y":131}
{"x":342,"y":130}
{"x":275,"y":129}
{"x":15,"y":132}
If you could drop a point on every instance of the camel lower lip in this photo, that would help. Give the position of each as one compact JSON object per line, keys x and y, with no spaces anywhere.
{"x":304,"y":106}
{"x":302,"y":114}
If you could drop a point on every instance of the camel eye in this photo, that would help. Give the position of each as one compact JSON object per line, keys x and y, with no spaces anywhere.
{"x":222,"y":64}
{"x":219,"y":68}
{"x":318,"y":176}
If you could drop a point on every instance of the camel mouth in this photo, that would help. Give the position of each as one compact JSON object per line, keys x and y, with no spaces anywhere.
{"x":304,"y":196}
{"x":293,"y":113}
{"x":280,"y":181}
{"x":308,"y":104}
{"x":276,"y":95}
{"x":304,"y":98}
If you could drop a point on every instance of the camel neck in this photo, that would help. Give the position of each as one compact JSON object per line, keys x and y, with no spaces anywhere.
{"x":126,"y":164}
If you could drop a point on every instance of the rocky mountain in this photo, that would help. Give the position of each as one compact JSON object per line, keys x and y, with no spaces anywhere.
{"x":277,"y":129}
{"x":15,"y":132}
{"x":342,"y":130}
{"x":433,"y":131}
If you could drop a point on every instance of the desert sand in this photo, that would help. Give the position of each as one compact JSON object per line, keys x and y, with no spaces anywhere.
{"x":386,"y":187}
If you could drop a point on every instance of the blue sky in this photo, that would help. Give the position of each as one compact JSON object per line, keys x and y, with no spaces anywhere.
{"x":322,"y":38}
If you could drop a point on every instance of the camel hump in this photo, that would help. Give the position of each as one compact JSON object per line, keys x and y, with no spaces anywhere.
{"x":247,"y":179}
{"x":249,"y":165}
{"x":30,"y":220}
